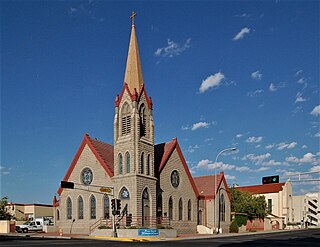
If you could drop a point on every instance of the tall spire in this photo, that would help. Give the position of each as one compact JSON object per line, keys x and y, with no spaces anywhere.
{"x":133,"y":74}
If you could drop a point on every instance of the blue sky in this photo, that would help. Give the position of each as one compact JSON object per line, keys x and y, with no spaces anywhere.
{"x":221,"y":74}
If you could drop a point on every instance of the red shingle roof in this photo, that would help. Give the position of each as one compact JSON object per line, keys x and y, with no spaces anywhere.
{"x":162,"y":152}
{"x":263,"y":188}
{"x":206,"y":184}
{"x":105,"y":151}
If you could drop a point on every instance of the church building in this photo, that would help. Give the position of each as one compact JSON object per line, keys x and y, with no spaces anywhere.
{"x":153,"y":182}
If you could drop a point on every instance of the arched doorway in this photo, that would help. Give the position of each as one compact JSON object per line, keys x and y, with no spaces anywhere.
{"x":145,"y":208}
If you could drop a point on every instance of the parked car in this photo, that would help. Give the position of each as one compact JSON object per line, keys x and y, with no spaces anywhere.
{"x":30,"y":226}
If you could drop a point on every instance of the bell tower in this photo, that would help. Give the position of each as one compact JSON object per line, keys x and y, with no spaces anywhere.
{"x":134,"y":138}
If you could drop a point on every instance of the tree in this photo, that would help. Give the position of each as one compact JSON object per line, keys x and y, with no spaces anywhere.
{"x":247,"y":206}
{"x":4,"y":214}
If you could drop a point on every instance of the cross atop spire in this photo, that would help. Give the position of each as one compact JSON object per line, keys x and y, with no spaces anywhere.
{"x":132,"y":17}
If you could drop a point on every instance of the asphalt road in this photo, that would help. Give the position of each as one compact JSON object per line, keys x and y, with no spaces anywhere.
{"x":285,"y":238}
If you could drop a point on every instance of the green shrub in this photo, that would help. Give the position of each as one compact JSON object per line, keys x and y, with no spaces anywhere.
{"x":234,"y":228}
{"x":241,"y":220}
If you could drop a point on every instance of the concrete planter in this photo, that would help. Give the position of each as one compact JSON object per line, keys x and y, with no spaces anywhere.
{"x":4,"y":226}
{"x":133,"y":233}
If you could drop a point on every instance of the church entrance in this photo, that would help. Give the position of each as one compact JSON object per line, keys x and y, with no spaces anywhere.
{"x":145,"y":208}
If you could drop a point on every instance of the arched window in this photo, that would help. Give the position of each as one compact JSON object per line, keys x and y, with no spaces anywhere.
{"x":189,"y":210}
{"x":120,"y":163}
{"x":80,"y":208}
{"x":128,"y":162}
{"x":142,"y":163}
{"x":125,"y":119}
{"x":69,"y":208}
{"x":142,"y":116}
{"x":106,"y":207}
{"x":92,"y":207}
{"x":222,"y":208}
{"x":180,"y":209}
{"x":148,"y":165}
{"x":58,"y":214}
{"x":124,"y":194}
{"x":170,"y":208}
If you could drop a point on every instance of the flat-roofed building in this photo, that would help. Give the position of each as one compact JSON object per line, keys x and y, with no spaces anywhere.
{"x":306,"y":210}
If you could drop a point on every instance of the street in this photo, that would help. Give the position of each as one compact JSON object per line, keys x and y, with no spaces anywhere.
{"x":281,"y":238}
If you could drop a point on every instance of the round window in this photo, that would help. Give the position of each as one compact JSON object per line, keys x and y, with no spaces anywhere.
{"x":175,"y":179}
{"x":86,"y":176}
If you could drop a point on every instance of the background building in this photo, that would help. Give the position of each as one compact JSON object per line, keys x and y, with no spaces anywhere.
{"x":306,"y":210}
{"x":25,"y":212}
{"x":279,"y":201}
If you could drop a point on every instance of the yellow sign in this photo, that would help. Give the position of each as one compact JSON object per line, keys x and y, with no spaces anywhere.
{"x":106,"y":189}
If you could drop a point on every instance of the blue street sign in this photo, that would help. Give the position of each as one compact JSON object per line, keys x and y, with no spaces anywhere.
{"x":148,"y":232}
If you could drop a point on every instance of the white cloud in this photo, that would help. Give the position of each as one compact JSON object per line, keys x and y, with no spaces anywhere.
{"x":209,"y":165}
{"x":307,"y":158}
{"x":271,"y":163}
{"x":269,"y":146}
{"x":292,"y":159}
{"x":299,"y":98}
{"x":173,"y":49}
{"x":257,"y":75}
{"x":315,"y":169}
{"x":255,"y":93}
{"x":261,"y":169}
{"x":203,"y":164}
{"x":239,"y":135}
{"x":257,"y":159}
{"x":228,"y":177}
{"x":317,"y":134}
{"x":199,"y":125}
{"x":243,"y":169}
{"x":191,"y":149}
{"x":302,"y":81}
{"x":211,"y":81}
{"x":284,"y":145}
{"x":253,"y":139}
{"x":274,"y":87}
{"x":242,"y":33}
{"x":298,"y":72}
{"x":304,"y":146}
{"x":316,"y":111}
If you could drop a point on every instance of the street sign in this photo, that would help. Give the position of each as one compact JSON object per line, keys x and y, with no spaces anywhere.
{"x":106,"y":190}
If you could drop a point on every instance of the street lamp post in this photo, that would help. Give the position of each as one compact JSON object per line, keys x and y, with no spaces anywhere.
{"x":215,"y":183}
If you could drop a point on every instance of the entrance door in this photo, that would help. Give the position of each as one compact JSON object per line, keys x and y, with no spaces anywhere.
{"x":145,"y":208}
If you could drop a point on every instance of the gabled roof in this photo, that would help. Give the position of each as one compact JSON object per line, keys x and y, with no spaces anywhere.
{"x":102,"y":151}
{"x":163,"y":152}
{"x":263,"y":188}
{"x":208,"y":185}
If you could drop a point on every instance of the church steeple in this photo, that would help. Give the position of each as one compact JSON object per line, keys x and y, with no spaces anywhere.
{"x":133,"y":74}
